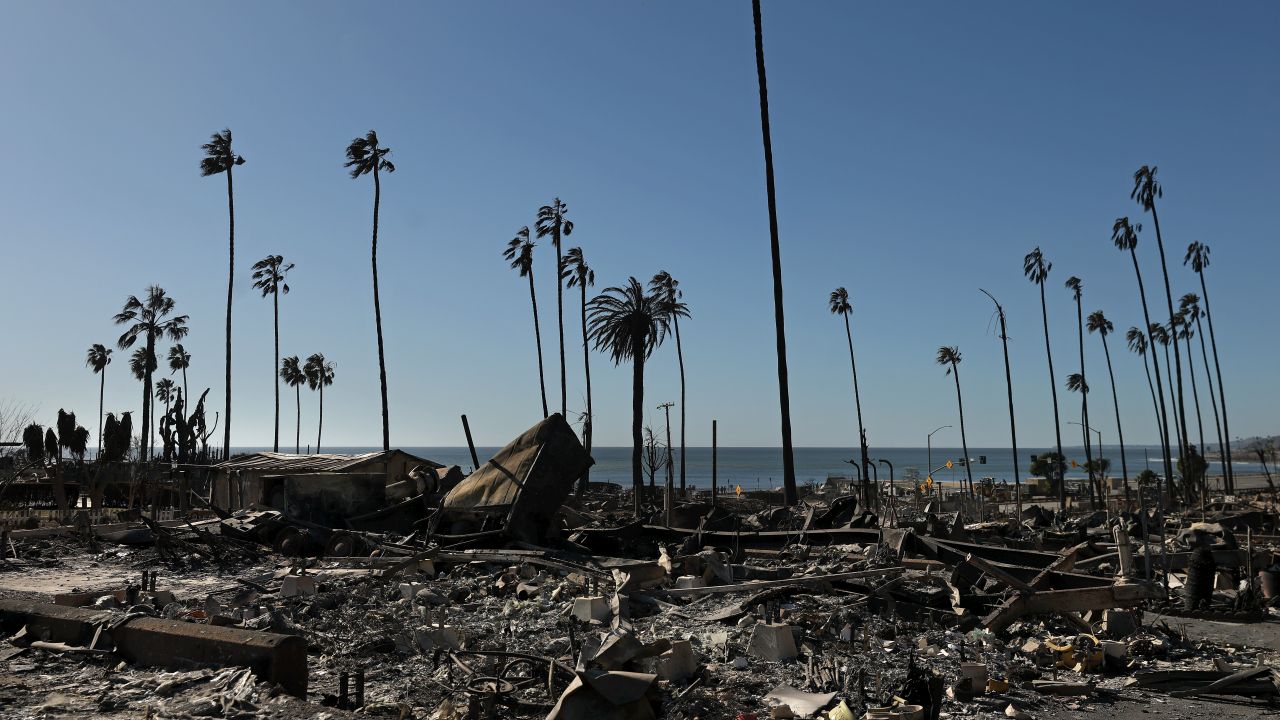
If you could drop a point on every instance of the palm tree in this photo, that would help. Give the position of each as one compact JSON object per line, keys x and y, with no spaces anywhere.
{"x":291,"y":372}
{"x":1161,"y":336}
{"x":1008,"y":381}
{"x":1076,"y":383}
{"x":364,"y":156}
{"x":180,"y":359}
{"x":149,"y":319}
{"x":141,"y":366}
{"x":1138,"y":343}
{"x":1145,"y":191}
{"x":950,"y":357}
{"x":268,"y":276}
{"x":790,"y":496}
{"x":1191,"y":304}
{"x":551,"y":221}
{"x":1074,"y":285}
{"x":839,"y":304}
{"x":319,"y":373}
{"x":628,"y":324}
{"x":1099,"y":323}
{"x":576,"y":273}
{"x":668,"y":289}
{"x":1198,"y":257}
{"x":1186,"y":331}
{"x":220,"y":158}
{"x":1125,"y":237}
{"x":166,"y":392}
{"x":1037,"y":271}
{"x":520,"y":252}
{"x":98,"y":358}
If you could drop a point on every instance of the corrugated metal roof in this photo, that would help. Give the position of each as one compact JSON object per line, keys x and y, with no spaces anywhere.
{"x":290,"y":463}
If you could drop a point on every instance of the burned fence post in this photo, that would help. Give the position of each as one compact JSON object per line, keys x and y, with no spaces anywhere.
{"x":466,"y":428}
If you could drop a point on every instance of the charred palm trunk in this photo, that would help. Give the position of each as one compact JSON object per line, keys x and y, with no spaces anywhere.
{"x":297,"y":433}
{"x":964,"y":441}
{"x":1094,"y":480}
{"x":637,"y":420}
{"x":231,"y":275}
{"x":1151,"y":345}
{"x":1013,"y":426}
{"x":555,"y":236}
{"x":148,"y":426}
{"x":857,"y":404}
{"x":790,"y":495}
{"x":680,"y":359}
{"x":1115,"y":400}
{"x":1195,"y":397}
{"x":275,"y":311}
{"x":102,"y":389}
{"x":1222,"y":397}
{"x":320,"y":425}
{"x":377,"y":318}
{"x":1053,"y":389}
{"x":537,"y":335}
{"x":588,"y":426}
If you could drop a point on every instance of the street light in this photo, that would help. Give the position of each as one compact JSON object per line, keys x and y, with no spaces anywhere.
{"x":929,"y":442}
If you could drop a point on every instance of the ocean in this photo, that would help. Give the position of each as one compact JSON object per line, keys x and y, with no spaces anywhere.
{"x":761,"y":468}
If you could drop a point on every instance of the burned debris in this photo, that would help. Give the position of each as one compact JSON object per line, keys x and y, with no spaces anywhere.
{"x":392,"y":586}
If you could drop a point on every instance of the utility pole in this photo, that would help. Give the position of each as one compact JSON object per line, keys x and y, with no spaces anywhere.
{"x":667,"y":496}
{"x":713,"y":463}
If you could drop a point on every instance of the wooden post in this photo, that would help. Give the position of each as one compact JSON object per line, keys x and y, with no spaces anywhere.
{"x":713,"y":463}
{"x":466,"y":427}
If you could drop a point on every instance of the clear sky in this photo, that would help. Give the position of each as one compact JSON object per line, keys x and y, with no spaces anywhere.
{"x":921,"y":150}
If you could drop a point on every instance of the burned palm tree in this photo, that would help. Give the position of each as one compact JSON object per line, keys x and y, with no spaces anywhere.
{"x":149,"y":318}
{"x":1099,"y":323}
{"x":1037,"y":271}
{"x":1183,"y":328}
{"x":319,"y":373}
{"x":1198,"y":257}
{"x":838,"y":303}
{"x":627,"y":324}
{"x":291,"y":372}
{"x":668,"y":289}
{"x":1190,"y":304}
{"x":1008,"y":381}
{"x":179,"y":361}
{"x":552,"y":222}
{"x":366,"y":157}
{"x":219,"y":159}
{"x":520,"y":253}
{"x":1138,"y":344}
{"x":1125,"y":237}
{"x":576,"y":273}
{"x":1076,"y":383}
{"x":269,"y":277}
{"x":1075,"y":286}
{"x":949,"y":357}
{"x":98,"y":358}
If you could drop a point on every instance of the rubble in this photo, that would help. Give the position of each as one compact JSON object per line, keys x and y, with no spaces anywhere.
{"x":508,"y":596}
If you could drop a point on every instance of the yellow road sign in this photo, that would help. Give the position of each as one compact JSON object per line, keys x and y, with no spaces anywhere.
{"x":738,"y":489}
{"x":928,"y":482}
{"x":950,"y":464}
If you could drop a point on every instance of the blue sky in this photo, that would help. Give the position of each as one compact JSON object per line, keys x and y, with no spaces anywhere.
{"x":921,"y":150}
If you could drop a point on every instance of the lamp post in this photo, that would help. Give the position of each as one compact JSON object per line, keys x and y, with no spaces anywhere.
{"x":929,"y":442}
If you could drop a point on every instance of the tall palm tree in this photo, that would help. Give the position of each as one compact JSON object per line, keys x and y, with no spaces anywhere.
{"x":790,"y":495}
{"x":551,"y":221}
{"x":839,"y":304}
{"x":1008,"y":381}
{"x":1185,"y":331}
{"x":1161,"y":336}
{"x":149,"y":319}
{"x":167,"y":392}
{"x":1138,"y":344}
{"x":1074,"y":285}
{"x":98,"y":358}
{"x":319,"y":373}
{"x":1146,"y":189}
{"x":576,"y":273}
{"x":1125,"y":237}
{"x":1076,"y":383}
{"x":1198,"y":257}
{"x":950,"y":357}
{"x":668,"y":289}
{"x":628,"y":324}
{"x":180,"y":359}
{"x":364,"y":157}
{"x":1099,"y":323}
{"x":269,"y":277}
{"x":1191,"y":304}
{"x":1037,"y":271}
{"x":220,"y":158}
{"x":141,"y":364}
{"x":520,"y":252}
{"x":291,"y":372}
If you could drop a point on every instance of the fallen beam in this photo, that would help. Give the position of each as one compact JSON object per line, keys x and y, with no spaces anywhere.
{"x":1068,"y":601}
{"x":281,"y":659}
{"x":748,"y":587}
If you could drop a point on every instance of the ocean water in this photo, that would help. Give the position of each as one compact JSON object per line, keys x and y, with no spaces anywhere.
{"x":756,"y":467}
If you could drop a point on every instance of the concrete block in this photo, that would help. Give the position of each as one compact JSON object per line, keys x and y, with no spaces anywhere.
{"x":596,"y":608}
{"x":297,"y":585}
{"x":159,"y":597}
{"x":678,"y":663}
{"x":773,"y":642}
{"x":689,"y":582}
